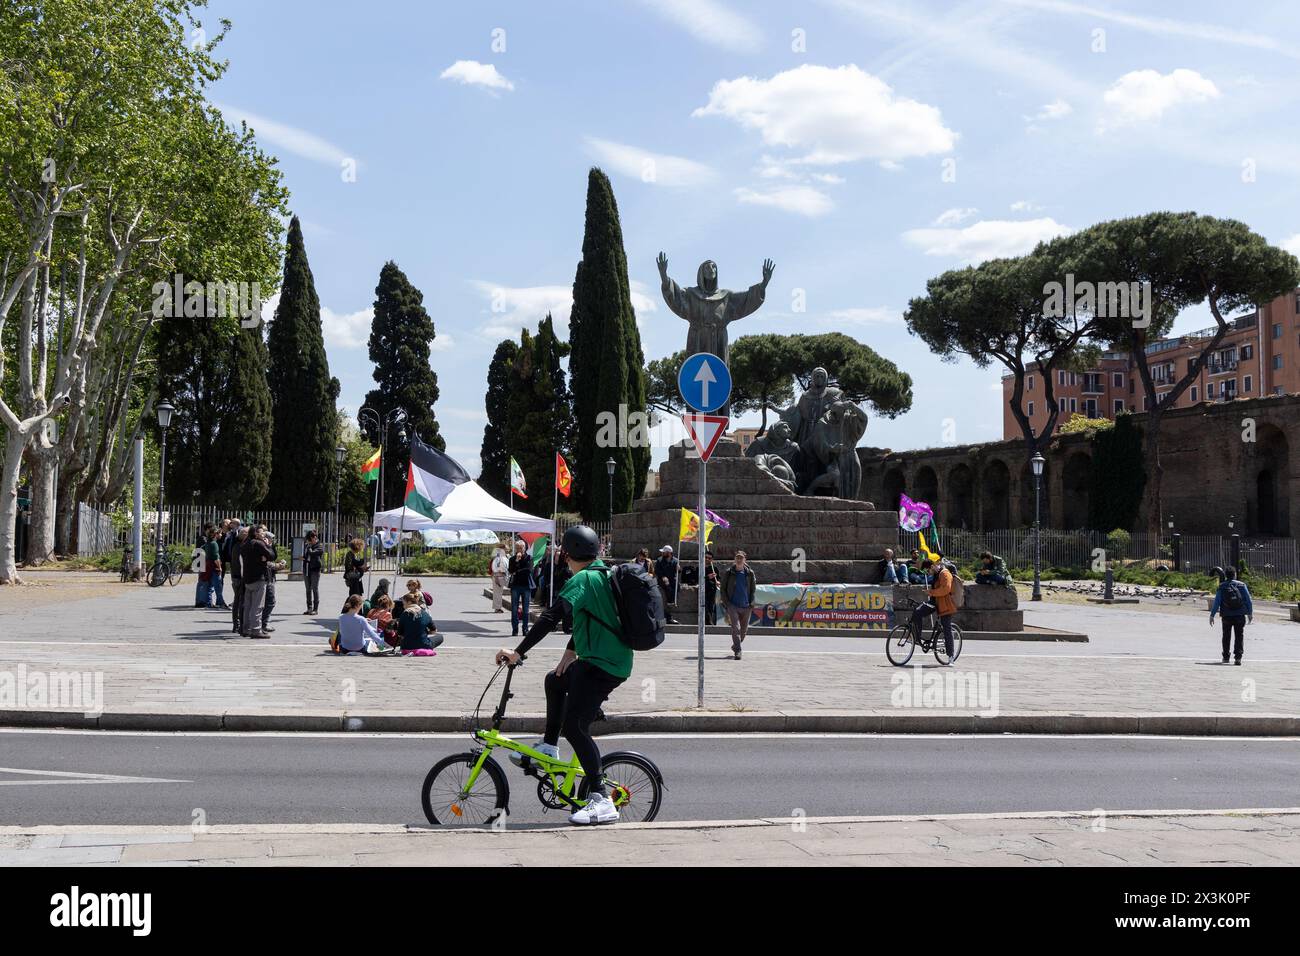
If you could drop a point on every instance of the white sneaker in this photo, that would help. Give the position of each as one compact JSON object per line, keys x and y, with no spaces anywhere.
{"x":541,"y":746}
{"x":599,"y":809}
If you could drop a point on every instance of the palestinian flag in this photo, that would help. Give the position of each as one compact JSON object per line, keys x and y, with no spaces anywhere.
{"x":517,"y":479}
{"x":370,"y":469}
{"x":563,"y":478}
{"x":430,"y":478}
{"x":538,"y":541}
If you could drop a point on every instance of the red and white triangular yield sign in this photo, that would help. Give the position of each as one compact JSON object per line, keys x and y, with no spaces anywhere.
{"x":705,"y":430}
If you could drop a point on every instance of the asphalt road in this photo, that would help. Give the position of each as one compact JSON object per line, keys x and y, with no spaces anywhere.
{"x":299,"y":778}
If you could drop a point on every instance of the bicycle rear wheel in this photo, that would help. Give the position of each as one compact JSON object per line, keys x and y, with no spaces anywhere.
{"x":900,"y":645}
{"x":633,"y":782}
{"x":941,"y":652}
{"x":176,"y":572}
{"x":158,"y":574}
{"x":447,"y":802}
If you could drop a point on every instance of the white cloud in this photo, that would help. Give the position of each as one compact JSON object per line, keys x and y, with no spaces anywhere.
{"x":955,"y":216}
{"x":803,"y":200}
{"x":873,"y":315}
{"x":1054,"y":110}
{"x":657,"y":168}
{"x":1292,"y":245}
{"x":347,"y":331}
{"x":442,"y":342}
{"x":710,"y":22}
{"x":291,"y":139}
{"x":831,"y":115}
{"x":1164,"y":26}
{"x":518,"y":307}
{"x":1145,"y":95}
{"x":1024,"y":205}
{"x":474,"y":73}
{"x":986,"y":239}
{"x":830,"y":179}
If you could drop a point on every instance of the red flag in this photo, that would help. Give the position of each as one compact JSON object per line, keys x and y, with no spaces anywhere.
{"x":563,"y":479}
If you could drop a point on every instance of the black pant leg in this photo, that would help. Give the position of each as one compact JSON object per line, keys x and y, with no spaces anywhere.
{"x":1226,"y":625}
{"x":1239,"y":625}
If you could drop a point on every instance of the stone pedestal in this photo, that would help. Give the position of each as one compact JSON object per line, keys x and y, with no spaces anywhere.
{"x":787,"y":537}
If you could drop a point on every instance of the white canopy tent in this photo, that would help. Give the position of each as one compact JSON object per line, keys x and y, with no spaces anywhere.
{"x":467,"y":508}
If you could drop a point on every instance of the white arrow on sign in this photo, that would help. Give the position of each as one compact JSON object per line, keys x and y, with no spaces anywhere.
{"x":705,"y":377}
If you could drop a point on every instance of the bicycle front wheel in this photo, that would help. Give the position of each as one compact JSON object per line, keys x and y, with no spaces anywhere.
{"x":447,"y":800}
{"x":158,"y":574}
{"x":176,"y":572}
{"x":633,"y":782}
{"x":941,"y":652}
{"x":900,"y":646}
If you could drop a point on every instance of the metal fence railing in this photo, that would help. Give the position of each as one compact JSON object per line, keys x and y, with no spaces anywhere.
{"x":96,"y":534}
{"x":1268,"y":557}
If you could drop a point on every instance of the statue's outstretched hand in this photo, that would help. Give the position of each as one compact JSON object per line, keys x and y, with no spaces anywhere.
{"x":768,"y":266}
{"x":662,"y":262}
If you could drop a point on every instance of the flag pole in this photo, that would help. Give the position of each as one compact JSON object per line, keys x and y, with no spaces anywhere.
{"x":374,"y":511}
{"x":555,"y":507}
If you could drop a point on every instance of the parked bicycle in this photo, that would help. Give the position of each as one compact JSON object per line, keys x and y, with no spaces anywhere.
{"x":169,"y":569}
{"x":904,"y":639}
{"x":470,"y":789}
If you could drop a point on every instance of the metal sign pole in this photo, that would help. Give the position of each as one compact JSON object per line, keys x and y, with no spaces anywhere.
{"x":699,"y":588}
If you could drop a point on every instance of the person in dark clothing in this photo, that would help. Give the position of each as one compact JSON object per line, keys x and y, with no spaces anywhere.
{"x":739,"y":584}
{"x":255,"y":554}
{"x":381,"y":590}
{"x":520,"y":575}
{"x":355,"y":567}
{"x":272,"y":567}
{"x":1232,"y":601}
{"x":234,"y":563}
{"x":710,"y":589}
{"x":419,"y":634}
{"x":313,"y":557}
{"x":666,"y":575}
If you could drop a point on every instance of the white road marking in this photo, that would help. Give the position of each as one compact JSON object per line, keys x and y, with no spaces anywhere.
{"x":53,"y":777}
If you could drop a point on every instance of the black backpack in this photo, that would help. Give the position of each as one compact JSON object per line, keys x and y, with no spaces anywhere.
{"x":640,"y":605}
{"x":1232,"y":600}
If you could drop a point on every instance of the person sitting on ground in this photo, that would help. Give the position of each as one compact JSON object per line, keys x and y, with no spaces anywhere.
{"x":381,"y":615}
{"x":424,"y":597}
{"x":993,"y":570}
{"x":419,"y":635}
{"x":888,"y":572}
{"x":356,"y":634}
{"x":381,"y":590}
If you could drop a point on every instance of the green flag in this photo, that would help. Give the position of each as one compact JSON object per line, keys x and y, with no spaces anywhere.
{"x":539,"y":548}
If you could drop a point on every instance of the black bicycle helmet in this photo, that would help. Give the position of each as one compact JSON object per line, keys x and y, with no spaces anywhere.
{"x":581,"y":543}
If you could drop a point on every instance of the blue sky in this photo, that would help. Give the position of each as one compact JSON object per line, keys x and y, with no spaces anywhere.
{"x":824,"y":135}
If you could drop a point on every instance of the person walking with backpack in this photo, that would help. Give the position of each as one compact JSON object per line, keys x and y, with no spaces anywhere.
{"x":738,"y":584}
{"x":1232,"y":602}
{"x":595,"y":663}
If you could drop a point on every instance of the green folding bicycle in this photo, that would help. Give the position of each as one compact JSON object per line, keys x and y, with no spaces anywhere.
{"x":470,"y":789}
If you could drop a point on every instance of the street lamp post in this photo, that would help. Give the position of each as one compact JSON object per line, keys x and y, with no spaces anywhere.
{"x":340,"y":453}
{"x":164,"y":412}
{"x":609,"y":470}
{"x":1037,"y":463}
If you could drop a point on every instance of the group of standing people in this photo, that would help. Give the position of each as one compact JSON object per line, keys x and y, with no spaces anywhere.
{"x":246,"y":554}
{"x":518,"y":575}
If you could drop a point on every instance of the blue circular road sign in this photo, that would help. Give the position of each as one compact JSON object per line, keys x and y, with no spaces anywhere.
{"x":704,"y":381}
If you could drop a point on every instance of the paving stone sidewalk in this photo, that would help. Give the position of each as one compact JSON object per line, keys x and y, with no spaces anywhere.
{"x":1175,"y":838}
{"x":293,"y":682}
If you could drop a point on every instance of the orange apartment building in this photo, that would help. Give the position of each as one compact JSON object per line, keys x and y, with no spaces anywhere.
{"x":1259,"y":355}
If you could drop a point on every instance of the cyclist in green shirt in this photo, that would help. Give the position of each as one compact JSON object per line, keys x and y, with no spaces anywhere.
{"x":595,"y":662}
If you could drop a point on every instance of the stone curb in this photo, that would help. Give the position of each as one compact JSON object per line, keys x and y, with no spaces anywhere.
{"x":685,"y":721}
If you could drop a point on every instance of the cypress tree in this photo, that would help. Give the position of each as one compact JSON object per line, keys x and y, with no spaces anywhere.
{"x":302,"y":391}
{"x":494,"y":478}
{"x":242,"y":448}
{"x":606,"y":362}
{"x":400,"y":336}
{"x":1118,"y":476}
{"x":538,"y":413}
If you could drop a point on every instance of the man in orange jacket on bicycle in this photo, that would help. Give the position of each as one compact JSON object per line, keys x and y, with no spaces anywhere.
{"x":941,"y":590}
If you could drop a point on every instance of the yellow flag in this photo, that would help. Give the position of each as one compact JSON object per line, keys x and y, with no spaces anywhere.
{"x":925,"y":548}
{"x":690,"y":527}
